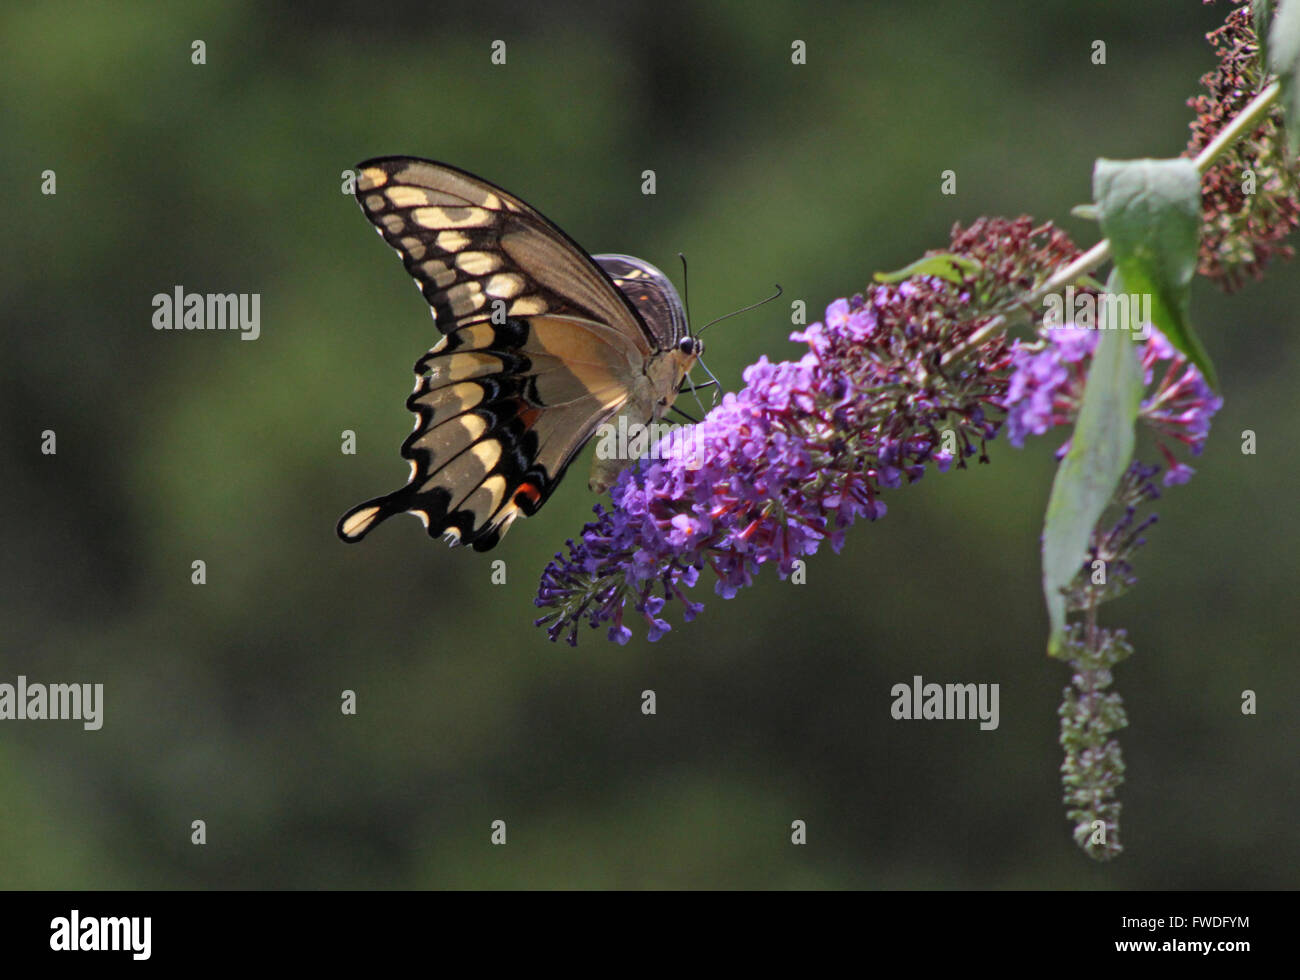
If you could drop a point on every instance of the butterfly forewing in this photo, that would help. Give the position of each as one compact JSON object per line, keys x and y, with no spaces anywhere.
{"x":540,"y":347}
{"x":467,"y":243}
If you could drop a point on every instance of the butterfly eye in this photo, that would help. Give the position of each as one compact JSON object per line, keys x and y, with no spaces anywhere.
{"x":689,"y":345}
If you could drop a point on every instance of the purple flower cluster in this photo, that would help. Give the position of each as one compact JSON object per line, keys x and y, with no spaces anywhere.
{"x":1048,"y":378}
{"x":1180,"y":407}
{"x":785,"y":464}
{"x":736,"y":491}
{"x":1047,"y":382}
{"x":808,"y":446}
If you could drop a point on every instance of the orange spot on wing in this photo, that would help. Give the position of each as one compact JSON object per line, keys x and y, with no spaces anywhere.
{"x":528,"y":414}
{"x":530,"y":493}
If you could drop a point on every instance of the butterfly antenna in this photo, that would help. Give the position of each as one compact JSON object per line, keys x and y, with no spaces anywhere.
{"x":686,"y":292}
{"x":746,"y":309}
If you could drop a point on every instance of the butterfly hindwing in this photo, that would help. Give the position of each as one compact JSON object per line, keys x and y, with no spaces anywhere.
{"x":651,"y":293}
{"x":498,"y":420}
{"x":540,"y":348}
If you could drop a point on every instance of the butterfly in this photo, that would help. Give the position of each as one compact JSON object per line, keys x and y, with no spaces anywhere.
{"x":542,"y":344}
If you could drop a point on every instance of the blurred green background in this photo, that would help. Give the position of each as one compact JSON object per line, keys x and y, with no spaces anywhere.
{"x":222,"y":701}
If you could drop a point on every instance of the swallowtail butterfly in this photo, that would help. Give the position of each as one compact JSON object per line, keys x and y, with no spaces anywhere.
{"x":542,"y":344}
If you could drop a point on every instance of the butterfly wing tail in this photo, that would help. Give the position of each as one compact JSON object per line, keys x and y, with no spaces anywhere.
{"x":457,"y":528}
{"x":361,"y":519}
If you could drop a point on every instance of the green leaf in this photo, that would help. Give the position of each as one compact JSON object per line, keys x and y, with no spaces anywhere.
{"x":1284,"y":60}
{"x":1151,"y":213}
{"x":1261,"y":12}
{"x":954,"y":268}
{"x":1100,"y":450}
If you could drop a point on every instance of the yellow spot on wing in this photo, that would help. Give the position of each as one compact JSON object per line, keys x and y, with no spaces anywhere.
{"x":439,"y":218}
{"x":465,"y":298}
{"x":438,"y":272}
{"x":485,"y":500}
{"x":474,"y":425}
{"x":505,"y":285}
{"x":451,"y":400}
{"x":478,"y":263}
{"x":358,"y":523}
{"x":476,"y":337}
{"x":528,"y":306}
{"x":407,"y":197}
{"x":463,"y":367}
{"x":487,"y":453}
{"x":414,"y":247}
{"x":452,"y":241}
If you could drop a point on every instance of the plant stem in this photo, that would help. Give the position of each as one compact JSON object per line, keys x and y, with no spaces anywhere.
{"x":1242,"y":123}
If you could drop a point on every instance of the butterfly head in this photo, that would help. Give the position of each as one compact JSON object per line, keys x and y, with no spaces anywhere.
{"x":691,"y":347}
{"x":668,"y":370}
{"x":684,"y":355}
